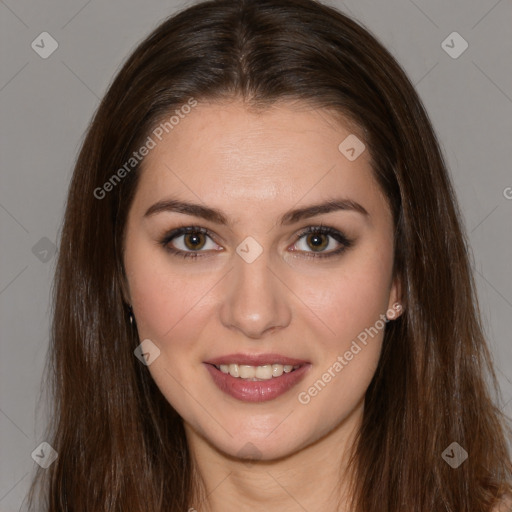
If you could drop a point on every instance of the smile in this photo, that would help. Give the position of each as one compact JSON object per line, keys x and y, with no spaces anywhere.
{"x":255,"y":373}
{"x":256,"y":383}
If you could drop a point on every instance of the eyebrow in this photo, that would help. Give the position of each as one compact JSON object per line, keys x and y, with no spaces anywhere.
{"x":216,"y":216}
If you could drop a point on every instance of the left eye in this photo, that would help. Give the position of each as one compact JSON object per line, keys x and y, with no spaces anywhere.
{"x":322,"y":242}
{"x":315,"y":241}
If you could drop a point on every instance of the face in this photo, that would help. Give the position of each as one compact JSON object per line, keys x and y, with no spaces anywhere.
{"x":254,"y":242}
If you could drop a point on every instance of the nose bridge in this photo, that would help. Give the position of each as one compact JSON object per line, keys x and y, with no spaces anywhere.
{"x":255,"y":299}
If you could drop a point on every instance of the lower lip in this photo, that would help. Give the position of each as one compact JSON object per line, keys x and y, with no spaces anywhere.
{"x":256,"y":390}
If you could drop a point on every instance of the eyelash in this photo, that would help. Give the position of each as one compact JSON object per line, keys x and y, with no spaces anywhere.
{"x":324,"y":230}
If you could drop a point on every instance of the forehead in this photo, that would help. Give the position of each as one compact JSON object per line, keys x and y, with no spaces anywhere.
{"x":225,"y":155}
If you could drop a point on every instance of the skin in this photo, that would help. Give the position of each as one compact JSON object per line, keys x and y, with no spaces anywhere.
{"x":255,"y":167}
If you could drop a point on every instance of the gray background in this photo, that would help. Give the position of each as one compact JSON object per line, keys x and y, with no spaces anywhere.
{"x":46,"y":105}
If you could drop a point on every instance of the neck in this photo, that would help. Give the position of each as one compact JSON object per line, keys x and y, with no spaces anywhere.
{"x":315,"y":477}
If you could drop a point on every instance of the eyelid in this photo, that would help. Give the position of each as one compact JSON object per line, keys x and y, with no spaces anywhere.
{"x":334,"y":233}
{"x":184,"y":230}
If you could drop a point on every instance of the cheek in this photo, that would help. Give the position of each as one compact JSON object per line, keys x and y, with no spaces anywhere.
{"x":349,"y":306}
{"x":349,"y":298}
{"x":165,"y":296}
{"x":332,"y":307}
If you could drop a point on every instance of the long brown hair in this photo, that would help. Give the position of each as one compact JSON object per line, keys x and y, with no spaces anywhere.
{"x":121,"y":445}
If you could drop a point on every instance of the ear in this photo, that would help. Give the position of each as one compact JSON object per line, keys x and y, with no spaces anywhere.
{"x":395,"y":303}
{"x":125,"y":288}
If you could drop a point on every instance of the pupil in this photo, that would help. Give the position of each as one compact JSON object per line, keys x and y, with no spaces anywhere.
{"x":193,"y":240}
{"x":318,"y":241}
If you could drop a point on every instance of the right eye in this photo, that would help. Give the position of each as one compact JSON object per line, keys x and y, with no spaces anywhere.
{"x":187,"y":241}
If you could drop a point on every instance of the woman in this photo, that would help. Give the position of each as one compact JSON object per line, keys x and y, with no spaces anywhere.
{"x":263,"y":298}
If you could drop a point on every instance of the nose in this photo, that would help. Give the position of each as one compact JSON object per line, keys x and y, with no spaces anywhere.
{"x":256,"y":301}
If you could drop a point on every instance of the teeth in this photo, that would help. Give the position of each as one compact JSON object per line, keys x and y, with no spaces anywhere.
{"x":277,"y":370}
{"x":264,"y":372}
{"x":247,"y":372}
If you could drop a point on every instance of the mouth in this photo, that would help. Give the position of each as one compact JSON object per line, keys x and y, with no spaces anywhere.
{"x":256,"y":378}
{"x":256,"y":373}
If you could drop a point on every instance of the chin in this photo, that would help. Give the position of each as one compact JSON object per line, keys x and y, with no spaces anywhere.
{"x":251,"y":446}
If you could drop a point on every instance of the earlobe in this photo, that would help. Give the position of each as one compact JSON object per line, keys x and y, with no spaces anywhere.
{"x":394,"y":311}
{"x":395,"y":304}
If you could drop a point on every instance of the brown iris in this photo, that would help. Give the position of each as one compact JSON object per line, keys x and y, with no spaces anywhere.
{"x":317,"y":241}
{"x":197,"y":240}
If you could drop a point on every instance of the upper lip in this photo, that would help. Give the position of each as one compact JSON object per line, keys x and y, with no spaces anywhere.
{"x":255,"y":359}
